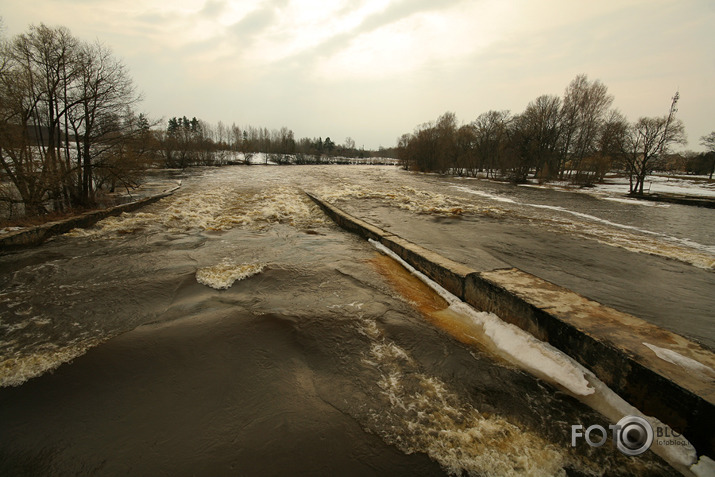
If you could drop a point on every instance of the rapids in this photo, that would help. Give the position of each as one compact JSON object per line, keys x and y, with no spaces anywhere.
{"x":233,"y":329}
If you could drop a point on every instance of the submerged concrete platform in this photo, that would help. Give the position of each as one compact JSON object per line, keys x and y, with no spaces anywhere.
{"x":36,"y":235}
{"x":660,"y":372}
{"x":682,"y":199}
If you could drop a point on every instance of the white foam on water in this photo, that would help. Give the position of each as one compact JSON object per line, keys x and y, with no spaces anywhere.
{"x":425,"y":416}
{"x":220,"y":208}
{"x":644,"y":203}
{"x":688,"y":251}
{"x":607,"y":232}
{"x":485,"y":194}
{"x":41,"y":321}
{"x":684,"y":362}
{"x":422,"y":415}
{"x":640,"y":241}
{"x":558,"y":368}
{"x":405,"y":198}
{"x":592,"y":218}
{"x":15,"y":371}
{"x":226,"y":273}
{"x":285,"y":205}
{"x":7,"y":230}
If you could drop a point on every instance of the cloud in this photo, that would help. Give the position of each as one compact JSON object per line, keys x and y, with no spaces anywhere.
{"x":406,"y":38}
{"x":307,"y":30}
{"x":213,"y":9}
{"x":331,"y":65}
{"x":255,"y":23}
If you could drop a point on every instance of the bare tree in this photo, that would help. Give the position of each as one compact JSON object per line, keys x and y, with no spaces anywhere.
{"x":349,"y":143}
{"x":446,"y":130}
{"x":611,"y":144}
{"x":522,"y":152}
{"x":235,"y":135}
{"x":542,"y":119}
{"x":648,"y":139}
{"x":584,"y":108}
{"x":404,"y":154}
{"x":491,"y":131}
{"x":37,"y":78}
{"x":61,"y":101}
{"x":126,"y":157}
{"x":104,"y":92}
{"x":709,"y":142}
{"x":464,"y":143}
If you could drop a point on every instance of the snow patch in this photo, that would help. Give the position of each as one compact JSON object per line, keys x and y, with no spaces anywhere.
{"x":697,"y":185}
{"x":514,"y":344}
{"x":684,"y":362}
{"x":704,"y":468}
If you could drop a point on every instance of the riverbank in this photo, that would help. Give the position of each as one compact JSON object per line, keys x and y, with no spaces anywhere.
{"x":32,"y":236}
{"x":696,"y":190}
{"x":682,"y":199}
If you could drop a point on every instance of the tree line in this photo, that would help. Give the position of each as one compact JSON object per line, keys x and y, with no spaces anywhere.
{"x":577,"y":137}
{"x":189,"y":142}
{"x":67,"y":127}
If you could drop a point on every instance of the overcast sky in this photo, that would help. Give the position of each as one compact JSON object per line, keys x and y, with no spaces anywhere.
{"x":375,"y":69}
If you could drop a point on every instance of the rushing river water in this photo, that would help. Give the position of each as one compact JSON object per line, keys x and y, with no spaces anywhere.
{"x":233,"y":329}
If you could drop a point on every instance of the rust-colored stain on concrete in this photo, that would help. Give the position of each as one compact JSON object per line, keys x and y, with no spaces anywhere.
{"x":433,"y":307}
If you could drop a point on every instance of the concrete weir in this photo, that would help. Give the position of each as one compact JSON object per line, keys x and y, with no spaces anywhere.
{"x":36,"y":235}
{"x":661,"y":373}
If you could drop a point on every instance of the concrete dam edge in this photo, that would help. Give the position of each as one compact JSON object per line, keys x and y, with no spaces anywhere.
{"x":36,"y":235}
{"x":612,"y":344}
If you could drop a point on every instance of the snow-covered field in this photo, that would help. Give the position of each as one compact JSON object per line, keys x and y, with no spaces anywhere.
{"x":270,"y":159}
{"x":615,"y":185}
{"x":697,"y":185}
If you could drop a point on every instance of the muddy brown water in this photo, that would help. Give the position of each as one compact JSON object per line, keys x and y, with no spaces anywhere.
{"x":233,"y":329}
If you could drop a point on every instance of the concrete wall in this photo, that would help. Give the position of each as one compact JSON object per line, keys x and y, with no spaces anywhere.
{"x":36,"y":235}
{"x":608,"y":342}
{"x":681,"y":199}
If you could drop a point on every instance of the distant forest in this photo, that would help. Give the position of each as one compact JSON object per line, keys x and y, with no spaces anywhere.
{"x":69,"y":133}
{"x":577,"y":137}
{"x":187,"y":142}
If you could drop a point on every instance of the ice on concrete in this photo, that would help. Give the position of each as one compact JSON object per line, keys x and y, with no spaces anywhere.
{"x":678,"y":359}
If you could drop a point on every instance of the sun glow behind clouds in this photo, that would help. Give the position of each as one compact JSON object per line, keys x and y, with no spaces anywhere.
{"x":415,"y":58}
{"x":305,"y":24}
{"x":333,"y":40}
{"x":419,"y":40}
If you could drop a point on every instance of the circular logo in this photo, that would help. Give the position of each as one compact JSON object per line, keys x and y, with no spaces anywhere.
{"x":634,"y":435}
